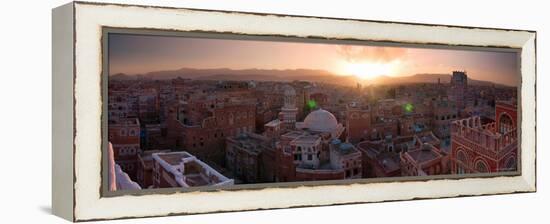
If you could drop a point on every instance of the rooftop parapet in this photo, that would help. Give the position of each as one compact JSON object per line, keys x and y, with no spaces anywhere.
{"x":484,"y":136}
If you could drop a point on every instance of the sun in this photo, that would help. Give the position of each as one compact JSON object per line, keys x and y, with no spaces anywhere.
{"x":369,"y":70}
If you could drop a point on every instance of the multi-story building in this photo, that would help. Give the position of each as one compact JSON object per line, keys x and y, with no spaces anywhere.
{"x":118,"y":179}
{"x":303,"y":90}
{"x":382,"y":128}
{"x":383,"y":158}
{"x":320,"y":99}
{"x":380,"y":158}
{"x":251,"y":157}
{"x":386,"y":108}
{"x":118,"y":106}
{"x":202,"y":129}
{"x":314,"y":151}
{"x":358,"y":122}
{"x":145,"y":168}
{"x":459,"y":88}
{"x":479,"y":147}
{"x":124,"y":134}
{"x":386,"y":118}
{"x":183,"y":170}
{"x":444,"y":112}
{"x":426,"y":160}
{"x":345,"y":156}
{"x":389,"y":133}
{"x":152,"y":137}
{"x":289,"y":111}
{"x":148,"y":105}
{"x":413,"y":124}
{"x":264,"y":116}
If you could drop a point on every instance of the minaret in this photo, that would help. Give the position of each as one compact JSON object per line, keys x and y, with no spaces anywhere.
{"x":289,"y":110}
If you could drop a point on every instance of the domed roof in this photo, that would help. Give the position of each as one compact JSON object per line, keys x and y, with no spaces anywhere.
{"x":321,"y":120}
{"x":289,"y":90}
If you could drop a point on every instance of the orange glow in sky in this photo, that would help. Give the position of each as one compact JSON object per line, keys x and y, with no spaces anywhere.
{"x":139,"y":54}
{"x":370,"y":70}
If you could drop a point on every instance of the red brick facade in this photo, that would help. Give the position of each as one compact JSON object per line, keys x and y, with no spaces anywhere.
{"x":124,"y":134}
{"x":482,"y":148}
{"x":206,"y":139}
{"x":358,"y":123}
{"x":320,"y":99}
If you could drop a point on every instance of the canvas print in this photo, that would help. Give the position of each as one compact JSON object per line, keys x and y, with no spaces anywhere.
{"x":188,"y":112}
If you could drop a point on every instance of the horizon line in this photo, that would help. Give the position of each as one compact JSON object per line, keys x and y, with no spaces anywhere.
{"x":323,"y":70}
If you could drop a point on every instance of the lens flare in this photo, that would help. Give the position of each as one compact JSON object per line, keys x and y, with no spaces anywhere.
{"x":311,"y":104}
{"x":408,"y":107}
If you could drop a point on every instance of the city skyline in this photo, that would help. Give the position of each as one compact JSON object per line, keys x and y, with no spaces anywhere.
{"x":139,"y":54}
{"x":189,"y":133}
{"x":186,"y":128}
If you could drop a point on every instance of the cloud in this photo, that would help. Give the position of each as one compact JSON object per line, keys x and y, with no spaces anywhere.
{"x":356,"y":54}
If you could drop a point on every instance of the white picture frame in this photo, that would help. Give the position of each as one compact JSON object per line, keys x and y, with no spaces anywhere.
{"x":77,"y":110}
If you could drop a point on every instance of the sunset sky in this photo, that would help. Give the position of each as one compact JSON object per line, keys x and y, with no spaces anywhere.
{"x":135,"y":54}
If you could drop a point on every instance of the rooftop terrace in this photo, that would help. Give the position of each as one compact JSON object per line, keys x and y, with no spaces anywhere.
{"x":188,"y":171}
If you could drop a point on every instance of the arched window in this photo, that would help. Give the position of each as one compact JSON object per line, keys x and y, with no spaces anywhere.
{"x":461,"y":157}
{"x":511,"y":164}
{"x":298,"y":154}
{"x":481,"y":167}
{"x":461,"y":162}
{"x":505,"y":123}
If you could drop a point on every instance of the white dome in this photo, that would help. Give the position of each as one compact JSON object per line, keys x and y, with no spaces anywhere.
{"x":321,"y":120}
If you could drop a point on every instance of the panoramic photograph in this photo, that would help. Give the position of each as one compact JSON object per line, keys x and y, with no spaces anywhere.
{"x":186,"y":112}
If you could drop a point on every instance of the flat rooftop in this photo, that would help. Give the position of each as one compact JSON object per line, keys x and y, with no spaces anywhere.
{"x":293,"y":134}
{"x":344,"y":148}
{"x":422,"y":155}
{"x":252,"y":142}
{"x":389,"y":162}
{"x":307,"y":138}
{"x":173,"y":158}
{"x":188,"y":171}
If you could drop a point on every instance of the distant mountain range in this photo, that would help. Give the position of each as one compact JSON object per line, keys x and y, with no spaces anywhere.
{"x":311,"y":75}
{"x":427,"y":78}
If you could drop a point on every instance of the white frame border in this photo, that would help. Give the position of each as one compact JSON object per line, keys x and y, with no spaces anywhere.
{"x":89,"y":20}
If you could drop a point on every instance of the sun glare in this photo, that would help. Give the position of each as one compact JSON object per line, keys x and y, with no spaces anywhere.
{"x":369,"y":70}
